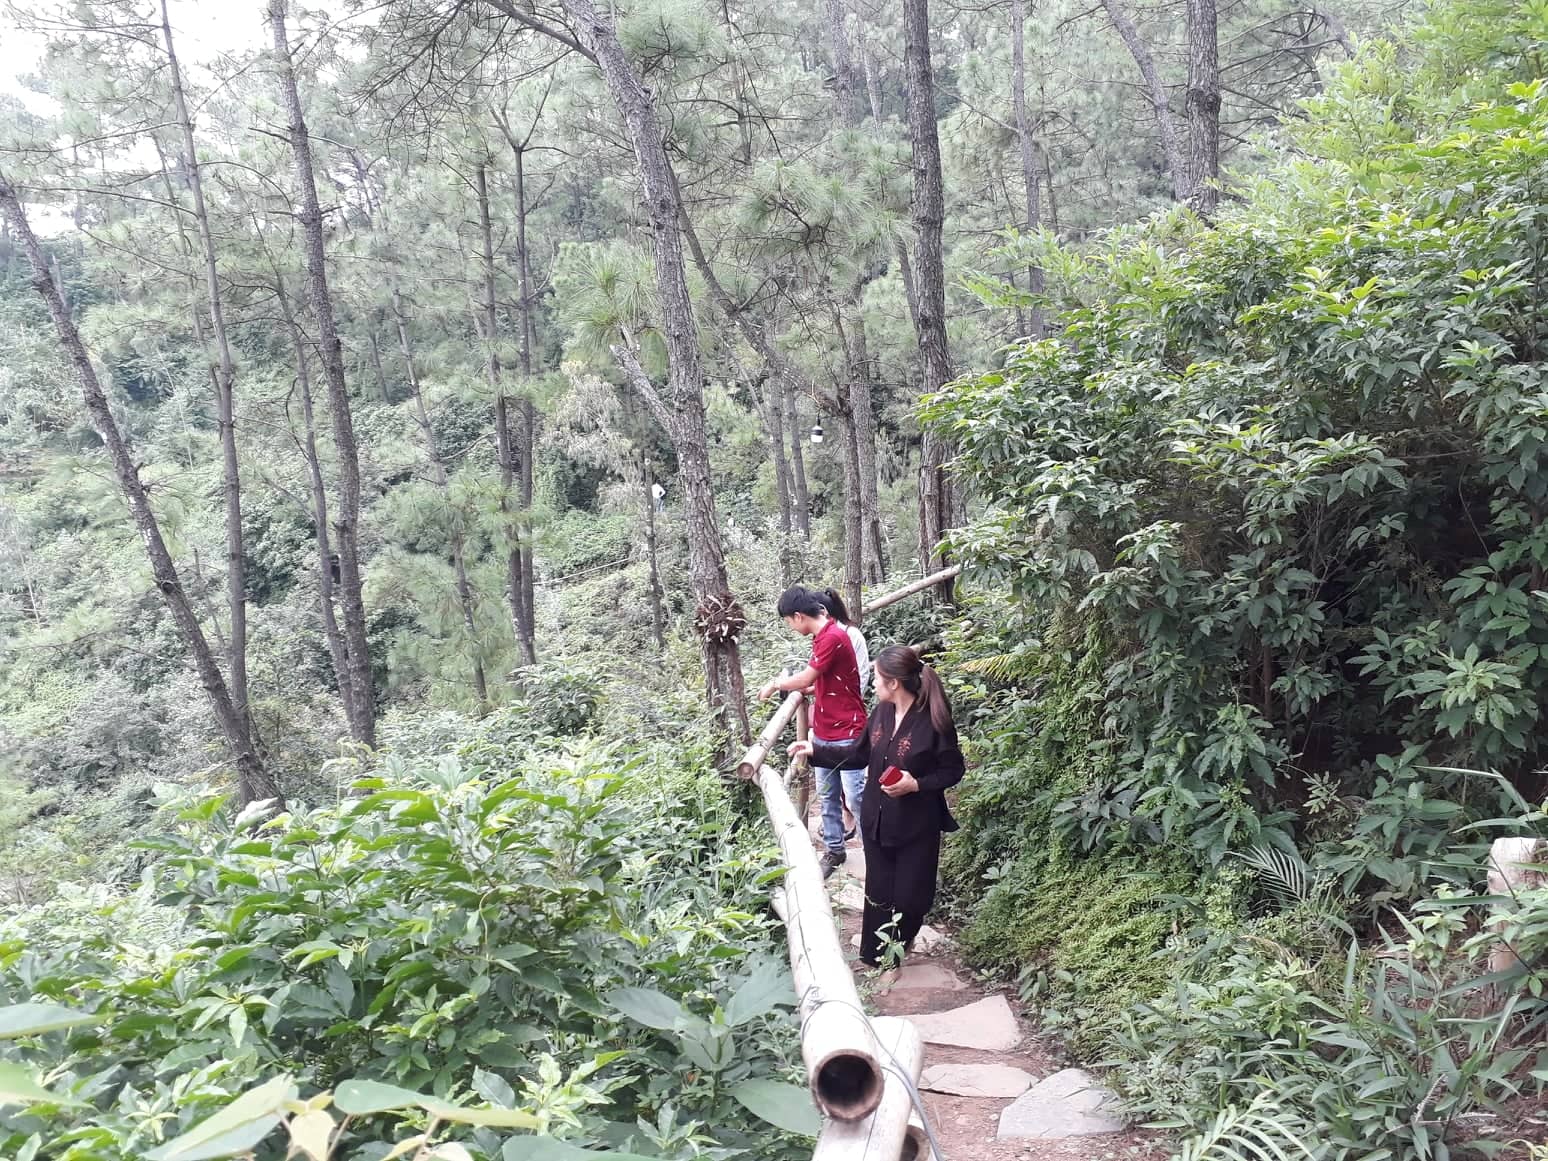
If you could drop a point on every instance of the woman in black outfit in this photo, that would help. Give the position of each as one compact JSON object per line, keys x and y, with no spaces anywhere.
{"x":901,"y":824}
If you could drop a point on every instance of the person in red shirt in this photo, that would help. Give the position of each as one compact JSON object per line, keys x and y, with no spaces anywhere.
{"x":838,"y":713}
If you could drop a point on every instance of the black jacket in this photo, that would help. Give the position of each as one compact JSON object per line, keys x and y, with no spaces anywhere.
{"x":934,"y":760}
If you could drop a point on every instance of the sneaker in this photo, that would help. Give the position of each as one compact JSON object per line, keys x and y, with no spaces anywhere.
{"x":830,"y":862}
{"x":849,"y":835}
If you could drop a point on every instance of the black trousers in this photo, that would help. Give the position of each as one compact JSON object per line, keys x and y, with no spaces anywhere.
{"x":899,"y":883}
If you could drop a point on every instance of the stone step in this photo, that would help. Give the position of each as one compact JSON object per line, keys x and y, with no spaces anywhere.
{"x":1000,"y":1081}
{"x":920,"y":977}
{"x":850,"y":896}
{"x":928,"y":942}
{"x":988,"y":1025}
{"x":1070,"y":1103}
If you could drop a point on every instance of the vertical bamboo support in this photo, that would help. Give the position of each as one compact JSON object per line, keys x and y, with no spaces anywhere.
{"x":882,"y":1136}
{"x":1513,"y":867}
{"x":801,"y":768}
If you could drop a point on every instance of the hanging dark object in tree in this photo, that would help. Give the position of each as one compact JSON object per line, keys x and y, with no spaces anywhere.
{"x":719,"y":618}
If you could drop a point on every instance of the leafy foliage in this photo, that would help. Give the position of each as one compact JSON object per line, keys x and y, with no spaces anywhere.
{"x":1267,"y":587}
{"x":465,"y":927}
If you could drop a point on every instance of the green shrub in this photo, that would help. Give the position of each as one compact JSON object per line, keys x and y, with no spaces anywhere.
{"x":468,"y":928}
{"x":1084,"y":939}
{"x":1290,"y":464}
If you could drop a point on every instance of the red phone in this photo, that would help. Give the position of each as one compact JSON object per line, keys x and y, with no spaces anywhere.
{"x":890,"y":775}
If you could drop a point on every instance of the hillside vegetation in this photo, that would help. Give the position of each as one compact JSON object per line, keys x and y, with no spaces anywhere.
{"x":1262,"y":669}
{"x":481,"y":439}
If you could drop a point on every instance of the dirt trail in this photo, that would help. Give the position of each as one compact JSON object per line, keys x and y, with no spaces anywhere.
{"x":966,"y":1127}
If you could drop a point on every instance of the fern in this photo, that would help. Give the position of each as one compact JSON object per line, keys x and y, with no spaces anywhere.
{"x":1290,"y":880}
{"x":999,"y":667}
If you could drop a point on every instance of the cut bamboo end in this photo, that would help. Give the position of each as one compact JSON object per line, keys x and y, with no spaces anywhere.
{"x":916,"y":1143}
{"x":883,"y":1134}
{"x":847,"y":1083}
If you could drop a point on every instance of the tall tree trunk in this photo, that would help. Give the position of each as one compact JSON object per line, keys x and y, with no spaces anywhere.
{"x":1175,"y":164}
{"x":843,"y":64}
{"x":338,"y":650}
{"x":854,"y":533}
{"x":253,"y":781}
{"x":521,"y":614}
{"x":657,"y":603}
{"x":772,"y":408}
{"x":873,"y":90}
{"x":376,"y":364}
{"x":906,"y":273}
{"x":331,"y":353}
{"x":929,"y":206}
{"x":801,"y":496}
{"x":718,"y":616}
{"x":771,"y":413}
{"x":1029,"y":150}
{"x":224,"y":376}
{"x":862,"y":410}
{"x":528,"y":431}
{"x":1203,"y":105}
{"x":857,"y":393}
{"x":439,"y":476}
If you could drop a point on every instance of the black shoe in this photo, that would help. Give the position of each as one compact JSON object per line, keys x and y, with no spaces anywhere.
{"x":830,"y":862}
{"x":850,"y":833}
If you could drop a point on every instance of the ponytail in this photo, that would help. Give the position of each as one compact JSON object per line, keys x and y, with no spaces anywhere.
{"x":836,"y":607}
{"x":933,"y":694}
{"x":902,"y":663}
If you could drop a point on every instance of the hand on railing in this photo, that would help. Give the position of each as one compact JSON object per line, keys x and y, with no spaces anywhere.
{"x":800,"y":749}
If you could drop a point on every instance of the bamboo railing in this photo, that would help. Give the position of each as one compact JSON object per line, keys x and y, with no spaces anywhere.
{"x":862,"y":1072}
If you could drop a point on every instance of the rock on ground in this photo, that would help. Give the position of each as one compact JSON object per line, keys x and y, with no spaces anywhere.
{"x":928,"y":942}
{"x":1070,"y":1103}
{"x":988,"y":1025}
{"x":977,"y":1080}
{"x":926,"y":977}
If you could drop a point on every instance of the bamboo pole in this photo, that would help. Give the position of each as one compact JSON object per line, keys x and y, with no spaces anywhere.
{"x":843,"y":1064}
{"x":882,"y":1136}
{"x":759,"y":750}
{"x":909,"y":590}
{"x":801,"y":768}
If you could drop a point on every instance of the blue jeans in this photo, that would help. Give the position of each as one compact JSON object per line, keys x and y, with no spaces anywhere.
{"x":829,"y":782}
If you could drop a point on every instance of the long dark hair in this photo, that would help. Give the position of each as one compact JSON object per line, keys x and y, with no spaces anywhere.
{"x":836,"y":607}
{"x":901,"y":663}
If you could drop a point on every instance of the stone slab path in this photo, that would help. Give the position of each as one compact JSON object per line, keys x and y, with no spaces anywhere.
{"x":993,"y":1090}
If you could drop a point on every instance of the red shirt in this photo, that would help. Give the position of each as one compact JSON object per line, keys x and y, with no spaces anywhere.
{"x":837,"y":711}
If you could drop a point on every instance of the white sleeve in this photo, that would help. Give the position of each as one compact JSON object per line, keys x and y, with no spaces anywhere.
{"x":862,"y":657}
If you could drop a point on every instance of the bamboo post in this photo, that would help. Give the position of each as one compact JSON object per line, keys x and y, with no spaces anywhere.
{"x":801,"y":768}
{"x":843,"y":1064}
{"x":909,"y":590}
{"x":1514,"y":866}
{"x":759,"y":750}
{"x":882,"y":1136}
